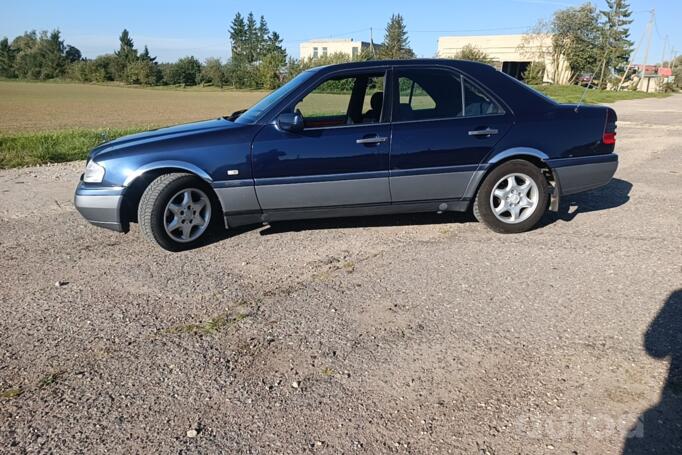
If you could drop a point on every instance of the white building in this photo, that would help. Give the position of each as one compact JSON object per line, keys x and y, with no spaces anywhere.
{"x":322,"y":47}
{"x":511,"y":53}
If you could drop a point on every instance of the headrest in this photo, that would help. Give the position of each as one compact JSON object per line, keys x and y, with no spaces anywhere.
{"x":376,"y":101}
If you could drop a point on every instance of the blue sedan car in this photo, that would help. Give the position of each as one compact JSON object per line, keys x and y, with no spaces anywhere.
{"x":357,"y":139}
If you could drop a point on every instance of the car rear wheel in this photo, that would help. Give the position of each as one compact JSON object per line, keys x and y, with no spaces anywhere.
{"x":176,"y":211}
{"x":513,"y":197}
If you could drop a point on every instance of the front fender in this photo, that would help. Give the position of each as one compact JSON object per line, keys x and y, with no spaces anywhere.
{"x":167,"y":164}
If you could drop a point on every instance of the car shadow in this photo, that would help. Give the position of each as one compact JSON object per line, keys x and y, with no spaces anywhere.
{"x":659,"y":429}
{"x":410,"y":219}
{"x":610,"y":196}
{"x":615,"y":194}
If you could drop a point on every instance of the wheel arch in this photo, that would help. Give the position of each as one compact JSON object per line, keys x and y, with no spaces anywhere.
{"x":534,"y":156}
{"x":137,"y":182}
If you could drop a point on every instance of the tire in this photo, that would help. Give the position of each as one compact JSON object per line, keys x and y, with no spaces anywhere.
{"x":177,"y":211}
{"x":524,"y":201}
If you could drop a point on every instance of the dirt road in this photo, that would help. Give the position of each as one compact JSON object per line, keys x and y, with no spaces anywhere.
{"x":417,"y":334}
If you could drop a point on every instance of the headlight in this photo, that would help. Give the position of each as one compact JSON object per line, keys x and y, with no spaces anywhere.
{"x":94,"y":173}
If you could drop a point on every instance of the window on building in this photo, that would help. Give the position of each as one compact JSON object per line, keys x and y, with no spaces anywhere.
{"x":324,"y":52}
{"x":355,"y":52}
{"x":315,"y":53}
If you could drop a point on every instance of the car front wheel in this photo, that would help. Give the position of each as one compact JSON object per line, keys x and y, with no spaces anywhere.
{"x":513,"y":197}
{"x":176,"y":211}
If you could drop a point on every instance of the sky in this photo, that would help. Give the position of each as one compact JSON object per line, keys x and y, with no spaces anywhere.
{"x":174,"y":29}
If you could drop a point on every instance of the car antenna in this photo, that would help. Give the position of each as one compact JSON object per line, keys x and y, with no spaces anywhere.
{"x":582,"y":98}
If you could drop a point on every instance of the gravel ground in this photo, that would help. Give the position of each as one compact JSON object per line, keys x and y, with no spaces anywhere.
{"x":417,"y":334}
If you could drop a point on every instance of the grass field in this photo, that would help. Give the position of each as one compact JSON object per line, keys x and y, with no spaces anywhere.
{"x":54,"y":122}
{"x":572,"y":94}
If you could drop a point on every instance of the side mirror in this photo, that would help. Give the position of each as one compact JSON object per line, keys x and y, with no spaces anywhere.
{"x":290,"y":122}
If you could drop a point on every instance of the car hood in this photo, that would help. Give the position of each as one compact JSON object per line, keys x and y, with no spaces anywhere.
{"x":163,"y":134}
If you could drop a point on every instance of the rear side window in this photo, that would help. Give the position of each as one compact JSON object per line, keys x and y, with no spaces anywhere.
{"x":432,"y":94}
{"x":477,"y":103}
{"x":428,"y":94}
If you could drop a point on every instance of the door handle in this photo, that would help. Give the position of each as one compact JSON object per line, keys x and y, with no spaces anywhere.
{"x":485,"y":132}
{"x":371,"y":140}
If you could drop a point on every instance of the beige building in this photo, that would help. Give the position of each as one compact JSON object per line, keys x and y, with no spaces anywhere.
{"x":511,"y":53}
{"x":323,"y":47}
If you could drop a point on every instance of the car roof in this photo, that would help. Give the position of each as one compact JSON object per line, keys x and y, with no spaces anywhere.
{"x":410,"y":62}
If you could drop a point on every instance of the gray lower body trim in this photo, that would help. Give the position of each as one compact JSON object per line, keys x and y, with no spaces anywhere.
{"x":100,"y":210}
{"x":348,"y":211}
{"x":584,"y":177}
{"x":422,"y":187}
{"x":238,"y":199}
{"x":323,"y":194}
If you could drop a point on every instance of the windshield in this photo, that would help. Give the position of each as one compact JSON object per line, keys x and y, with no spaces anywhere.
{"x":255,"y":112}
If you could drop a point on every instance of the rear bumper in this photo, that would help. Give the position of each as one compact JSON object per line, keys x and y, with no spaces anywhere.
{"x":100,"y":206}
{"x":575,"y":175}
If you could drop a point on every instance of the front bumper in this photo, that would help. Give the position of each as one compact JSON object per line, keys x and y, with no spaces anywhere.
{"x":575,"y":175}
{"x":101,"y":206}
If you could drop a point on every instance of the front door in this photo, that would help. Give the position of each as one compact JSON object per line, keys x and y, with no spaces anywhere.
{"x":444,"y":125}
{"x":340,"y":159}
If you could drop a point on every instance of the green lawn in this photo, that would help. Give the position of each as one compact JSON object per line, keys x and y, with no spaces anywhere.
{"x":572,"y":93}
{"x":30,"y":149}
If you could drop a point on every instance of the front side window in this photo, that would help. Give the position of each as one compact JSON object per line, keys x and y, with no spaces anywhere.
{"x":345,"y":100}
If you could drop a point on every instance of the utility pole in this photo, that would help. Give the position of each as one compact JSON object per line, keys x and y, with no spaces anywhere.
{"x":649,"y":32}
{"x":665,"y":45}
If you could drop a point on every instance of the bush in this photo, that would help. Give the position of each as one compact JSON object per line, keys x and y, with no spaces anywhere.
{"x":144,"y":72}
{"x":187,"y":71}
{"x":213,"y":72}
{"x":534,"y":74}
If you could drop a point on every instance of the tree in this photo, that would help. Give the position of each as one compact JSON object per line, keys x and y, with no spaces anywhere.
{"x":126,"y":51}
{"x":141,"y":71}
{"x":28,"y":61}
{"x":535,"y":73}
{"x":72,"y":54}
{"x":7,"y":57}
{"x":396,"y":42}
{"x":616,"y":45}
{"x":52,"y":51}
{"x":274,"y":46}
{"x":145,"y":55}
{"x":252,"y":43}
{"x":187,"y":71}
{"x":257,"y":53}
{"x":269,"y":70}
{"x":474,"y":54}
{"x":576,"y":35}
{"x":213,"y":72}
{"x":238,"y":37}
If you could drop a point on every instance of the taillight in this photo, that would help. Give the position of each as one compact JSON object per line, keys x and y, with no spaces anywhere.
{"x":609,"y":138}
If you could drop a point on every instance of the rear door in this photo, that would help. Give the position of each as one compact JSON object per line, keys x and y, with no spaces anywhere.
{"x":340,"y":158}
{"x":444,"y":124}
